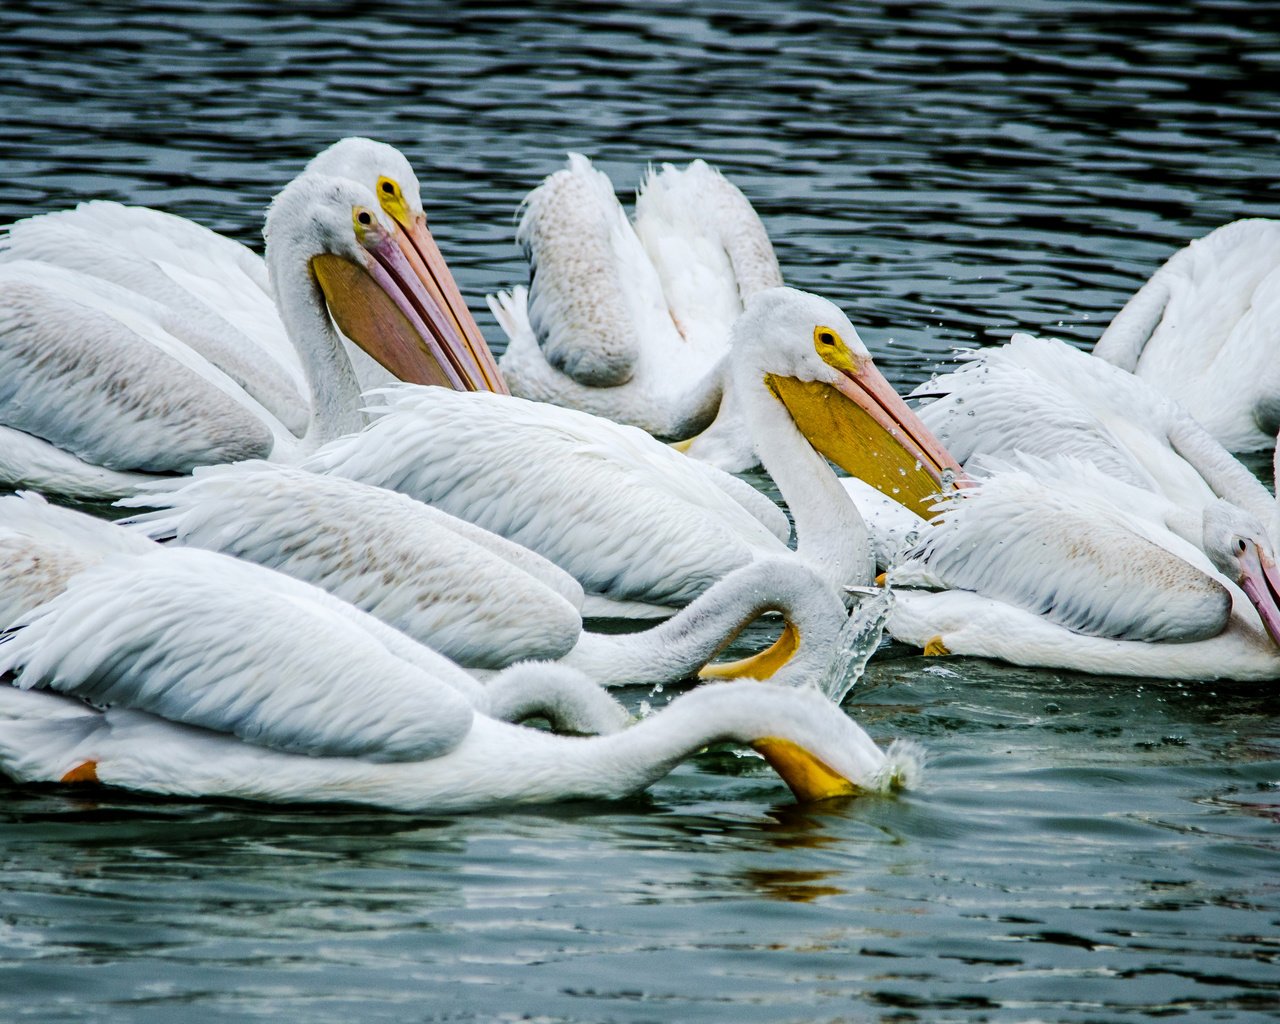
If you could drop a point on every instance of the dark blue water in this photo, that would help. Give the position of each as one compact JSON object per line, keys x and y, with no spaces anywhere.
{"x":1083,"y":850}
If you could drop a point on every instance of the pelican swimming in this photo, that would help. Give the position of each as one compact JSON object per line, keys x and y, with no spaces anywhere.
{"x":1059,"y":565}
{"x":478,"y":598}
{"x":214,"y":294}
{"x":221,"y":678}
{"x":45,"y":550}
{"x":632,"y":322}
{"x":1205,"y":330}
{"x":1041,"y":397}
{"x":94,"y":420}
{"x":642,"y":528}
{"x":479,"y":762}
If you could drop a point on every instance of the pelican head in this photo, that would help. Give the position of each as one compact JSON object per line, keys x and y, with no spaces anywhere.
{"x":336,"y":229}
{"x":1237,"y":545}
{"x":384,"y":170}
{"x":810,"y":357}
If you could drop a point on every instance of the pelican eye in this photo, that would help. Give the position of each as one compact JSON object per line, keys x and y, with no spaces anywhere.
{"x":832,"y":350}
{"x":389,"y":187}
{"x":1240,"y":544}
{"x":364,"y":217}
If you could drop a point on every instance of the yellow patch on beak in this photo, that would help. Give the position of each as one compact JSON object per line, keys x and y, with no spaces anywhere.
{"x":808,"y":776}
{"x":758,"y":666}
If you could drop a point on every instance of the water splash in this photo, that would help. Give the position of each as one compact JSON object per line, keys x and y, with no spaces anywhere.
{"x":856,"y":642}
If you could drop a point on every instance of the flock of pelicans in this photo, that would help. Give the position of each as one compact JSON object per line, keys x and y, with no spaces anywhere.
{"x":357,"y":565}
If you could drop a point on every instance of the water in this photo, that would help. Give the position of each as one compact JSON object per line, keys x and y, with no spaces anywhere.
{"x":1082,"y":850}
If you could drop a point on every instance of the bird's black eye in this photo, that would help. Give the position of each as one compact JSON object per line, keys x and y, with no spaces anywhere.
{"x":388,"y":188}
{"x":1240,"y":544}
{"x":826,"y":338}
{"x":363,"y":217}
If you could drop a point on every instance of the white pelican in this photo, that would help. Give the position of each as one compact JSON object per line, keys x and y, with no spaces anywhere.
{"x":632,"y":323}
{"x":95,"y":394}
{"x":223,"y":678}
{"x":214,"y":294}
{"x":1044,"y":398}
{"x":44,"y":550}
{"x":478,"y":762}
{"x":642,"y":528}
{"x":478,"y":598}
{"x":1058,"y":565}
{"x":1205,"y":330}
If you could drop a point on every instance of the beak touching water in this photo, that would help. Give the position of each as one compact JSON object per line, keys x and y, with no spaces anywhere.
{"x":862,"y":425}
{"x":808,"y":776}
{"x":408,"y":317}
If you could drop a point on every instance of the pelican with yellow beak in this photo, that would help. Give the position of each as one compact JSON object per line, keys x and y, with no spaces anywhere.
{"x":212,"y":677}
{"x":385,"y":170}
{"x":816,"y":748}
{"x":642,"y":528}
{"x":99,"y":395}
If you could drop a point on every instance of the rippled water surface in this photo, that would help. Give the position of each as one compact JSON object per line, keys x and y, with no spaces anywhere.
{"x":1083,"y":849}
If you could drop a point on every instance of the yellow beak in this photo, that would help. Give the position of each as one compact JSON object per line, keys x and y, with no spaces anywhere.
{"x":863,"y":426}
{"x":809,"y":777}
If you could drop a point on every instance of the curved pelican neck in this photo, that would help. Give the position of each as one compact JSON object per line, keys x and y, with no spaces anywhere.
{"x":678,"y":647}
{"x":507,"y":764}
{"x":1224,"y":473}
{"x":334,"y":389}
{"x":830,"y":534}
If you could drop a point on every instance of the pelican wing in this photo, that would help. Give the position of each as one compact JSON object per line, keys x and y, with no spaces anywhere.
{"x":209,"y":291}
{"x":993,"y":405}
{"x":27,"y":514}
{"x":1204,"y":329}
{"x":627,"y":516}
{"x":198,"y":638}
{"x":594,"y":296}
{"x":43,"y":546}
{"x":1078,"y":561}
{"x":1045,"y":398}
{"x":108,"y":385}
{"x":708,"y":246}
{"x":467,"y":593}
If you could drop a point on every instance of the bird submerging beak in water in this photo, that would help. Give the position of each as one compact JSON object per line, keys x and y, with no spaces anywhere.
{"x":212,"y":677}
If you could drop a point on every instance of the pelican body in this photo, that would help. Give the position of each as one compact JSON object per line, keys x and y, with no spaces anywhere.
{"x":145,"y":383}
{"x":1205,"y":330}
{"x":221,"y":678}
{"x":476,"y":597}
{"x":1060,"y":566}
{"x":642,"y":528}
{"x":632,"y":321}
